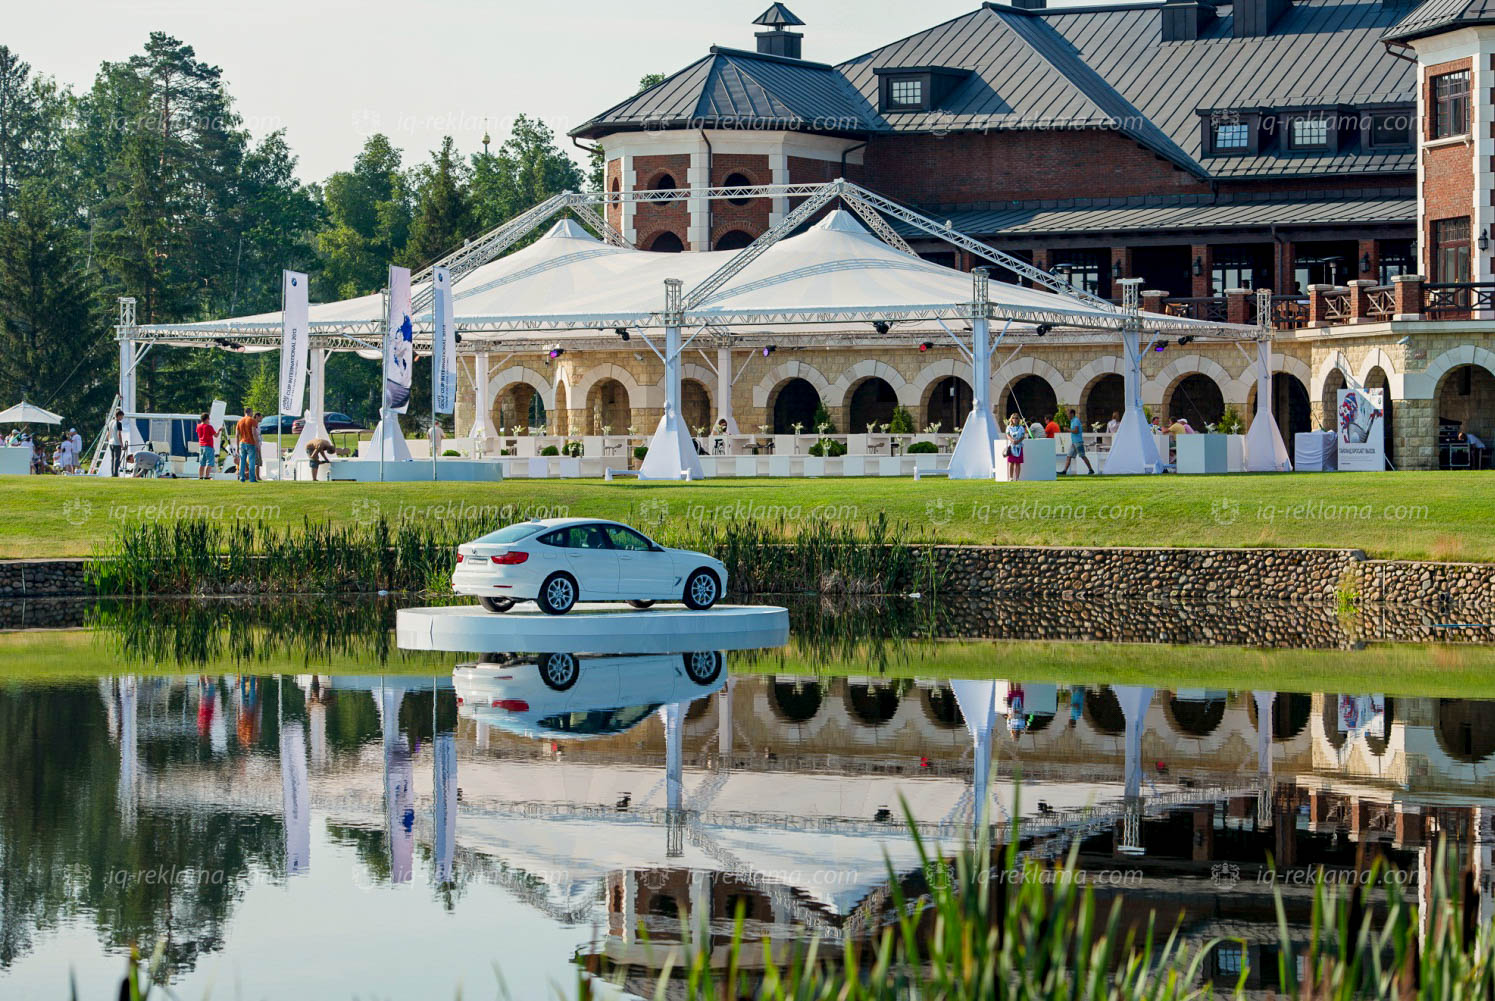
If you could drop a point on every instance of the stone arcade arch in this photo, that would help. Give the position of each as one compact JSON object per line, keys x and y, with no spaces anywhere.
{"x":795,"y":401}
{"x":607,"y":405}
{"x":872,"y":400}
{"x":1031,"y":397}
{"x":1465,"y":396}
{"x":695,"y":404}
{"x":1195,"y":397}
{"x":947,"y":402}
{"x":1377,"y":378}
{"x":519,"y":396}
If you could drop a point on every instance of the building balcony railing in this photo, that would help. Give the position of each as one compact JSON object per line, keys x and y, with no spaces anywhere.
{"x":1205,"y":307}
{"x":1456,"y":300}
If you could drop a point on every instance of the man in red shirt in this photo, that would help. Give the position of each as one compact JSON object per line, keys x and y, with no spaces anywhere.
{"x":1051,"y":429}
{"x":207,"y":457}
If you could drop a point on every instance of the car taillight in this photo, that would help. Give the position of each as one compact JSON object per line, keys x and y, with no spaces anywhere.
{"x":511,"y":558}
{"x":459,"y":557}
{"x":511,"y":705}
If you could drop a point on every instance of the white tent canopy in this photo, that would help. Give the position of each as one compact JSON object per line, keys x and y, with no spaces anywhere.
{"x":834,"y":279}
{"x":28,"y":413}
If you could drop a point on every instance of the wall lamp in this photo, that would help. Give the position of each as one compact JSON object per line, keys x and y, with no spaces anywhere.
{"x":1365,"y":264}
{"x":1484,"y":240}
{"x":1198,"y":266}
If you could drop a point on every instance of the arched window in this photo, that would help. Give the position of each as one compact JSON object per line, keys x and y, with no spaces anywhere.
{"x":664,"y":182}
{"x":733,"y":240}
{"x":667,"y":243}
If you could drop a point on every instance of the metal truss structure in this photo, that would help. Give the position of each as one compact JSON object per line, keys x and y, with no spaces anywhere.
{"x":822,"y":326}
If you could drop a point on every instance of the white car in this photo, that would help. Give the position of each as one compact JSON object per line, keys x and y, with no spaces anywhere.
{"x":559,"y":561}
{"x":576,"y":698}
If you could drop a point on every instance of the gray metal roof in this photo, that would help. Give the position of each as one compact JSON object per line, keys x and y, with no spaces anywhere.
{"x":1189,"y":215}
{"x":1440,"y":15}
{"x":1088,"y":67}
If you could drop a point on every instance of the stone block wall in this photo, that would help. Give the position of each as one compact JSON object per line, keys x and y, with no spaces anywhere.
{"x":42,"y":578}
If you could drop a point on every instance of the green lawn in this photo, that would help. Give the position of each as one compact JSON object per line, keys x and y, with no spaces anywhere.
{"x":1414,"y":515}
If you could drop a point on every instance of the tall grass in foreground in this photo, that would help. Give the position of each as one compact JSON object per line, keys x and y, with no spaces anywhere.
{"x":987,"y":925}
{"x":201,"y":556}
{"x":979,"y":924}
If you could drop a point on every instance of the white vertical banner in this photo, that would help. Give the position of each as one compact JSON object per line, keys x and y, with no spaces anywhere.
{"x":399,"y":343}
{"x":294,"y":341}
{"x":443,"y":344}
{"x":1362,"y":430}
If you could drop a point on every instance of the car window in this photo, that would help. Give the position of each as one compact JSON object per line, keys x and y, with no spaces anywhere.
{"x":585,"y":537}
{"x":513,"y":533}
{"x":597,"y":721}
{"x":626,"y":538}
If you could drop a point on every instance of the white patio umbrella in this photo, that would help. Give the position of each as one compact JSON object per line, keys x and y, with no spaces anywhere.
{"x":28,"y":413}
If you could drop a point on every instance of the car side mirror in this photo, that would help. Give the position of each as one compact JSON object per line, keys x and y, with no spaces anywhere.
{"x":655,"y":547}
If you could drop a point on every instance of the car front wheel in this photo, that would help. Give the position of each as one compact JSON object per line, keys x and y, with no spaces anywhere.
{"x":557,"y":594}
{"x":559,"y":671}
{"x":701,"y":590}
{"x":496,"y":604}
{"x":703,"y":667}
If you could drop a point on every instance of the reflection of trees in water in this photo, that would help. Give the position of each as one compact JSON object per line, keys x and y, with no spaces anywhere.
{"x":62,"y":851}
{"x":1197,"y":717}
{"x":1466,"y":729}
{"x":1102,"y":711}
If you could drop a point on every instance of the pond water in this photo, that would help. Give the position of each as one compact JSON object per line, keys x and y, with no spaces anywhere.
{"x":300,"y":810}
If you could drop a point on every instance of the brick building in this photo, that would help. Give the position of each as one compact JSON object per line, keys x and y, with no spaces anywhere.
{"x":1336,"y":152}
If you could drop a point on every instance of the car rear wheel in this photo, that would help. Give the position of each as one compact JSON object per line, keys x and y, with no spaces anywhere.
{"x":642,"y":604}
{"x":559,"y":671}
{"x":557,"y":594}
{"x":496,"y":604}
{"x":703,"y":667}
{"x":701,"y":590}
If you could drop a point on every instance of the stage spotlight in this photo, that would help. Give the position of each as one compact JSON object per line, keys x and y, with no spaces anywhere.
{"x":769,"y":349}
{"x":1185,"y":339}
{"x":457,"y":338}
{"x":556,"y":353}
{"x":926,"y":345}
{"x":1043,"y":328}
{"x":881,"y":326}
{"x":622,"y":333}
{"x":1160,"y":345}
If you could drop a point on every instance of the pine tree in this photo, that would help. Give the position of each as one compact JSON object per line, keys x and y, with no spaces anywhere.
{"x":442,"y":220}
{"x":55,"y":349}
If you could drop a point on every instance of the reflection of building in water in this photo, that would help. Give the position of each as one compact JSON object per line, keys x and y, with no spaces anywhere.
{"x":782,"y":795}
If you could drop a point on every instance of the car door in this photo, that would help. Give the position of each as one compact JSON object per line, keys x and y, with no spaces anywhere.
{"x":592,"y":561}
{"x":643,"y":571}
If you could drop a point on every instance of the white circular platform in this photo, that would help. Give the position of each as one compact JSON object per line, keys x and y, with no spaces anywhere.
{"x":600,"y":628}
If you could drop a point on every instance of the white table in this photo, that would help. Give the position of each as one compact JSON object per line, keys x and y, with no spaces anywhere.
{"x":1316,"y":451}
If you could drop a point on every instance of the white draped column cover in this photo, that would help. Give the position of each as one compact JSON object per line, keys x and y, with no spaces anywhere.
{"x":978,"y":707}
{"x":1264,"y":702}
{"x":974,"y":457}
{"x":444,"y":795}
{"x":399,"y":786}
{"x":1133,"y":448}
{"x":1134,"y":702}
{"x":316,"y":411}
{"x":482,"y":420}
{"x":1266,"y":452}
{"x":724,"y":389}
{"x":672,"y":452}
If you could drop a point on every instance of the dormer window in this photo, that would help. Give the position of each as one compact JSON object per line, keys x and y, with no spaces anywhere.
{"x":916,"y":88}
{"x":1228,"y":132}
{"x":1389,"y":129}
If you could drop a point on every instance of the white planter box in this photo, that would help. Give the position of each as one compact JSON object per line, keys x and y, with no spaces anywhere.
{"x":814,"y":465}
{"x":854,"y":465}
{"x":779,"y":465}
{"x":1039,"y":462}
{"x":569,"y":467}
{"x":747,"y":465}
{"x":1202,"y":453}
{"x":1235,"y":453}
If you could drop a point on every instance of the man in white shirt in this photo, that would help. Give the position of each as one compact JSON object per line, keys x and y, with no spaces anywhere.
{"x":77,"y":440}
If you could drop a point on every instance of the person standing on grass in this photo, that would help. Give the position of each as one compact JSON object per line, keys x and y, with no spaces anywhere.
{"x":259,"y":448}
{"x":1076,"y":445}
{"x":207,"y":456}
{"x":115,"y":436}
{"x":437,"y":436}
{"x":1015,"y":435}
{"x":245,"y":432}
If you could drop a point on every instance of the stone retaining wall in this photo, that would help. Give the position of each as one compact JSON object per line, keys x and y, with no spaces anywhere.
{"x":1288,"y":575}
{"x":1295,"y":576}
{"x":43,"y":578}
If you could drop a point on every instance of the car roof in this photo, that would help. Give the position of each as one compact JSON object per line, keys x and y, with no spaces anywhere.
{"x":563,"y":522}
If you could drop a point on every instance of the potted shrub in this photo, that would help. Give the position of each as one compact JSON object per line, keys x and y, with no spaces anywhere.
{"x":550,"y":450}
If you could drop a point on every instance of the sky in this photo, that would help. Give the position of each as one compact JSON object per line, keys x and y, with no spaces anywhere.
{"x":332,"y":72}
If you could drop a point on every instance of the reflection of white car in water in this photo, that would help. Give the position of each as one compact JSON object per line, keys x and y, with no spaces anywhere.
{"x":560,"y":561}
{"x":577,"y":697}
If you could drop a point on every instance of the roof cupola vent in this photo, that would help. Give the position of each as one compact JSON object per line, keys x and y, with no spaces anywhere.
{"x":778,"y":41}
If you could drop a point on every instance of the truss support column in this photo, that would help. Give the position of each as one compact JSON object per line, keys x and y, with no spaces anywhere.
{"x":974,"y":457}
{"x":1266,"y":452}
{"x":672,"y":452}
{"x":673,"y":716}
{"x":724,"y":389}
{"x":1133,"y":448}
{"x":127,"y":382}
